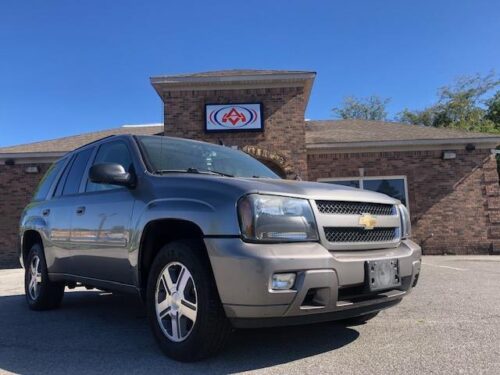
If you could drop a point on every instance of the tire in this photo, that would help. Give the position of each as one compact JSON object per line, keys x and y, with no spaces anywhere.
{"x":358,"y":320}
{"x":41,"y":293}
{"x":184,"y":309}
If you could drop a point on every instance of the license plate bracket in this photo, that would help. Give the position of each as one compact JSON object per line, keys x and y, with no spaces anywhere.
{"x":383,"y":274}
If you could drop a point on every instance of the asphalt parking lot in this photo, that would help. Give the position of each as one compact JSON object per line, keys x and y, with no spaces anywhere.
{"x":450,"y":324}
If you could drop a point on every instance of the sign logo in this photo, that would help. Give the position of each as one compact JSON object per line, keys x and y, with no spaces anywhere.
{"x":230,"y":117}
{"x":233,"y":116}
{"x":367,"y":221}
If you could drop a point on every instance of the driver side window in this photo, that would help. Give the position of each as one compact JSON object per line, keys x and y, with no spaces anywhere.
{"x":112,"y":152}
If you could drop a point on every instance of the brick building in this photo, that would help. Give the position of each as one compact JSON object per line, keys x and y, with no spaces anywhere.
{"x":447,"y":178}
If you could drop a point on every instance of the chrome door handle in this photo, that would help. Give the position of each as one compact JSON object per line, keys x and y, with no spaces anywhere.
{"x":80,"y":210}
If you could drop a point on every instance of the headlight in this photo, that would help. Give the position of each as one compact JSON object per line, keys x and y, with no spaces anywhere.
{"x":271,"y":218}
{"x":405,"y":221}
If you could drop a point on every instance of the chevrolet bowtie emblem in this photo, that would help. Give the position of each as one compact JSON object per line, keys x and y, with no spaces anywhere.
{"x":367,"y":221}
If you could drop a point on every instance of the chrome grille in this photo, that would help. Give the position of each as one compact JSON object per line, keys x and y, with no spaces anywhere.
{"x":355,"y":208}
{"x":341,"y":234}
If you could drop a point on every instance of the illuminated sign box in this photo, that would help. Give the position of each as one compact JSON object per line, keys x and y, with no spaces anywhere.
{"x":233,"y":117}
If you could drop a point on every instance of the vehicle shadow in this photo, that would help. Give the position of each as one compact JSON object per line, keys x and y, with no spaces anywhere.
{"x":96,"y":332}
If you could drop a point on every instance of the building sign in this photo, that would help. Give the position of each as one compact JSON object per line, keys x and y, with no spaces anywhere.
{"x":233,"y":117}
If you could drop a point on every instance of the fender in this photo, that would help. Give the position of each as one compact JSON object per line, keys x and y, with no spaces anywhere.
{"x":35,"y":223}
{"x":198,"y":212}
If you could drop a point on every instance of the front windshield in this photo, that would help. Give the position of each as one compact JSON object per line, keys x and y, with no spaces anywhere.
{"x":174,"y":154}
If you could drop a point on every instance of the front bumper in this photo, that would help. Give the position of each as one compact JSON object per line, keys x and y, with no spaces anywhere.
{"x":329,"y":285}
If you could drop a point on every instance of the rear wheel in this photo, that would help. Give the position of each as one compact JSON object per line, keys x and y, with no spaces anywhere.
{"x":41,"y":293}
{"x":184,"y":309}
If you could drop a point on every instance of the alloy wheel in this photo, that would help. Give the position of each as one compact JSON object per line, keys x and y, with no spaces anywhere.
{"x":176,"y":301}
{"x":35,"y":277}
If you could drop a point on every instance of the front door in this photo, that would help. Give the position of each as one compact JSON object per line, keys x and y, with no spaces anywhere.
{"x":101,"y":221}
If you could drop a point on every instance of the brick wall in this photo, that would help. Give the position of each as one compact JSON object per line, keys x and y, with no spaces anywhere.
{"x":283,"y":114}
{"x":454,"y":204}
{"x":16,"y":190}
{"x":456,"y":201}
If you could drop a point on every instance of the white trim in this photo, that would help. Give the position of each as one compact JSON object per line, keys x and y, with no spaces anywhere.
{"x":361,"y":179}
{"x":152,"y":125}
{"x":376,"y":149}
{"x":32,"y":157}
{"x":412,"y":142}
{"x":235,"y":82}
{"x":233,"y":78}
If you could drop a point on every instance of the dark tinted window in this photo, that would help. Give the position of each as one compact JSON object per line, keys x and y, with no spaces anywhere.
{"x":392,"y":187}
{"x":75,"y":174}
{"x":62,"y":179}
{"x":112,"y":152}
{"x":47,"y":180}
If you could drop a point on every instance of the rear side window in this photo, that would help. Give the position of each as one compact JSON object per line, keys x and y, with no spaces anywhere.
{"x":76,"y":172}
{"x":62,"y":179}
{"x":47,"y":181}
{"x":112,"y":152}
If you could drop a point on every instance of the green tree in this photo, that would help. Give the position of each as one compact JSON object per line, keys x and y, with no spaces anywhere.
{"x":493,"y":109}
{"x":370,"y":108}
{"x":461,"y":105}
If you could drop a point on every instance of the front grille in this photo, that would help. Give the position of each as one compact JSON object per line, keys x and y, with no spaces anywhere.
{"x":340,"y":234}
{"x":354,"y":208}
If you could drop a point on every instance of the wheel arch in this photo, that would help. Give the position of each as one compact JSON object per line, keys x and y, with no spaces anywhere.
{"x":155,"y":235}
{"x":29,"y":238}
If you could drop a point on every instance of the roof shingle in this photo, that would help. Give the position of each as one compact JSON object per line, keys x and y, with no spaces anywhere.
{"x":317,"y":132}
{"x":70,"y":143}
{"x":350,"y":131}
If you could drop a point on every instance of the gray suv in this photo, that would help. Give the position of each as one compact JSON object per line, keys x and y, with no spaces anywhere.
{"x":211,"y":239}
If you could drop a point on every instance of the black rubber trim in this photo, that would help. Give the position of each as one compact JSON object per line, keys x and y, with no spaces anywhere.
{"x":143,"y":155}
{"x":96,"y":283}
{"x":313,"y":318}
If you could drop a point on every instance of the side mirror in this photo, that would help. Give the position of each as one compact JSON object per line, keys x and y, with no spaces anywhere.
{"x":112,"y":174}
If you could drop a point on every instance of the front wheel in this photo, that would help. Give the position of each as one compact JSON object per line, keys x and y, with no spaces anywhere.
{"x":41,"y":293}
{"x":183,"y":305}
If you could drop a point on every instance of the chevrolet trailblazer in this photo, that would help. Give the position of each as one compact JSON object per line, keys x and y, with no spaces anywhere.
{"x":211,"y":239}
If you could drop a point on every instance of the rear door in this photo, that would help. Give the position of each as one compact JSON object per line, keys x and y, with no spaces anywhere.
{"x":44,"y":206}
{"x":100,"y":225}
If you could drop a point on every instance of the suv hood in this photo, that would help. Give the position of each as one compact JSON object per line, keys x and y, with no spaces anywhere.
{"x":310,"y":190}
{"x":209,"y":185}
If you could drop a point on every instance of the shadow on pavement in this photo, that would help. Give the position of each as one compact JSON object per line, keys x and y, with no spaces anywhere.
{"x":95,"y":332}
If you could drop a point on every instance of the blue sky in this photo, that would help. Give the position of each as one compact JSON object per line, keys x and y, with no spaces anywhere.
{"x":71,"y":66}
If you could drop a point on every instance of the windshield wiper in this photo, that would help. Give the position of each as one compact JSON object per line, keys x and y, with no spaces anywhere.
{"x":192,"y":170}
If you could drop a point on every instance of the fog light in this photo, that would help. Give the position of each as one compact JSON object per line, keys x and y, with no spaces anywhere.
{"x":283,"y":281}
